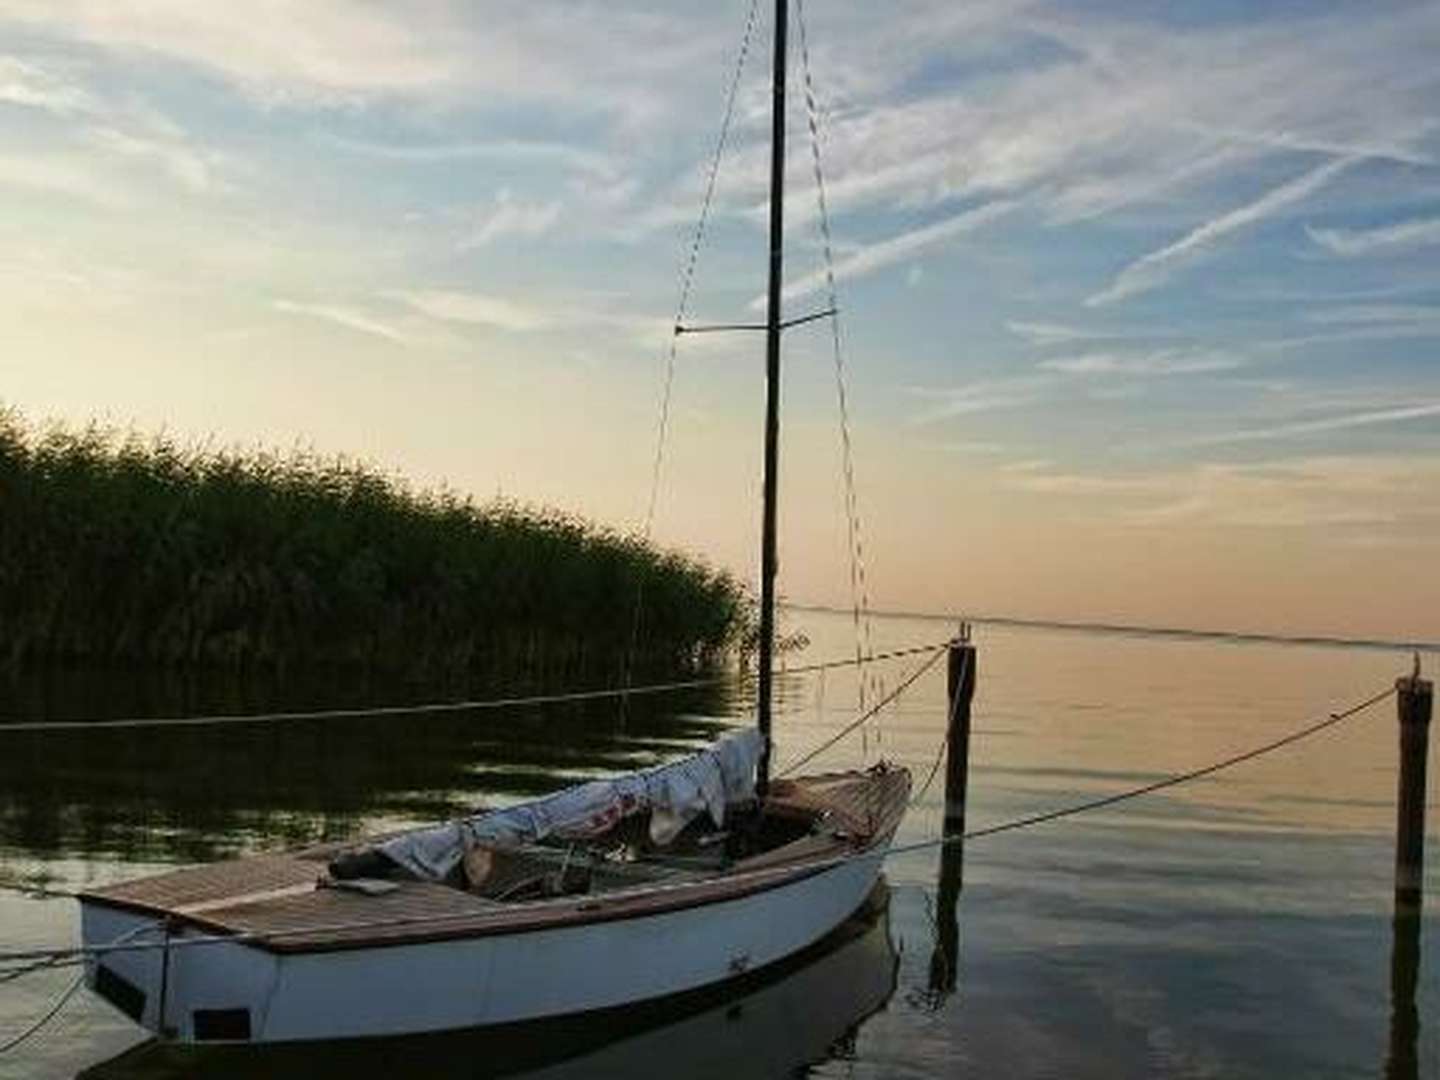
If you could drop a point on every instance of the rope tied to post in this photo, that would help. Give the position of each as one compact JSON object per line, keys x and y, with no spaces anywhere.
{"x":437,"y":707}
{"x":59,"y":956}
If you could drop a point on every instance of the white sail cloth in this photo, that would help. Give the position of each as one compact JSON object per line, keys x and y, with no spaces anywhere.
{"x":675,"y":794}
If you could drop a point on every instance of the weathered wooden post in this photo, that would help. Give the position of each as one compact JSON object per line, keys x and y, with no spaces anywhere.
{"x":1413,"y":696}
{"x":960,"y":682}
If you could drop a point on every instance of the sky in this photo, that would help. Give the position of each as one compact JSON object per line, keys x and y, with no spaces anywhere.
{"x":1139,"y":303}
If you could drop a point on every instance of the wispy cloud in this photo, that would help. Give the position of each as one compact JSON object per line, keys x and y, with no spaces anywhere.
{"x":329,"y":52}
{"x":906,"y":245}
{"x":1369,"y":496}
{"x":1383,"y":240}
{"x":1315,"y":427}
{"x":983,"y":395}
{"x":189,"y":167}
{"x":1376,"y":313}
{"x":1155,"y":269}
{"x":1044,"y":334}
{"x":67,"y":175}
{"x":1157,"y":362}
{"x":509,"y":217}
{"x":475,"y":308}
{"x":510,"y":150}
{"x":348,"y":317}
{"x":28,"y":84}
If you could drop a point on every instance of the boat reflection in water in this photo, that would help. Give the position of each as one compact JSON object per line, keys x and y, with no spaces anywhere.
{"x":770,"y":1024}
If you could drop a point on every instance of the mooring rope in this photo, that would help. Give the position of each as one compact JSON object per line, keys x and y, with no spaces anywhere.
{"x":61,"y":955}
{"x":1158,"y":785}
{"x":359,"y":712}
{"x":867,"y":714}
{"x":49,"y":1015}
{"x":66,"y":995}
{"x":940,"y":750}
{"x":70,"y":953}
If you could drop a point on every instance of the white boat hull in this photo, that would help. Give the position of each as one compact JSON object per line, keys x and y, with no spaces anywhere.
{"x":231,"y":991}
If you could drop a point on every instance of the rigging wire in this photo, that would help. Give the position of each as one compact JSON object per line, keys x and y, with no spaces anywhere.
{"x":682,"y":304}
{"x":859,"y":590}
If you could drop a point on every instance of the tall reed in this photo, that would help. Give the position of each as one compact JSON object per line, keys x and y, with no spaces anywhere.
{"x":120,"y":548}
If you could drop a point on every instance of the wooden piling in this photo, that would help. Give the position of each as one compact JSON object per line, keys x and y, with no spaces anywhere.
{"x":945,"y":960}
{"x":961,"y":684}
{"x":1414,"y":697}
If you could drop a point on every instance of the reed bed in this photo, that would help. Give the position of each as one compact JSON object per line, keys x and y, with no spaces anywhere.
{"x":117,"y":547}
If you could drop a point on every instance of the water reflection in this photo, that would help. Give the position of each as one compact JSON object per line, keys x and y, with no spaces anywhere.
{"x":1402,"y":1062}
{"x":773,"y":1024}
{"x":201,"y":793}
{"x":945,"y":958}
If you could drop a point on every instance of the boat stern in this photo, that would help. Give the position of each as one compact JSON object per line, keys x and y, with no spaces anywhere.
{"x":175,"y":981}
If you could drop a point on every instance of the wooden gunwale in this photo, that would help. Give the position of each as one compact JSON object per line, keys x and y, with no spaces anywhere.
{"x":636,"y":902}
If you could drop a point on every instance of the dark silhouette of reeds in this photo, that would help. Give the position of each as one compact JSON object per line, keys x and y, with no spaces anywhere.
{"x":120,"y":548}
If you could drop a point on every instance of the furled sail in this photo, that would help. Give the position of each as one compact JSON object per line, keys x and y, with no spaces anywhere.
{"x":675,"y":794}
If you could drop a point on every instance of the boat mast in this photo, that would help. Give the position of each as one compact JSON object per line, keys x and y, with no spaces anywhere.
{"x":772,"y":392}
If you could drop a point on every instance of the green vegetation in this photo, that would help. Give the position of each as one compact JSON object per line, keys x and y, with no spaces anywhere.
{"x":118,"y":548}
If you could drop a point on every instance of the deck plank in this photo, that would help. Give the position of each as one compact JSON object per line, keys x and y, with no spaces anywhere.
{"x":266,"y":898}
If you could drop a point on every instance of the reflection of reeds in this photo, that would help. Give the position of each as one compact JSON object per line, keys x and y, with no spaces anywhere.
{"x":116,"y":547}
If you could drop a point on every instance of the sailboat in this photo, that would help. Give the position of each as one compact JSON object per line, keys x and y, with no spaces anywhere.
{"x":619,"y":891}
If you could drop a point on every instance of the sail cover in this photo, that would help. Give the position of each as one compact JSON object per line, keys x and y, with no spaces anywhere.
{"x":675,"y":794}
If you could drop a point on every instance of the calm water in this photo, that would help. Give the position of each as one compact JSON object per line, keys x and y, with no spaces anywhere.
{"x":1236,"y":927}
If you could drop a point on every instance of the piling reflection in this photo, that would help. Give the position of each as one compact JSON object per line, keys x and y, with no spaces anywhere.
{"x":770,"y":1024}
{"x":1402,"y":1062}
{"x":945,"y":958}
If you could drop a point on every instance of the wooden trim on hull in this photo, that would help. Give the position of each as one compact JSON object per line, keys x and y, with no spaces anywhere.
{"x":281,"y":911}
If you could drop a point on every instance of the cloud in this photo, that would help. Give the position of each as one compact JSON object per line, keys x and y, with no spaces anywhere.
{"x":475,"y":308}
{"x":1384,"y":240}
{"x":1376,"y":313}
{"x":1158,"y":362}
{"x":1054,"y":333}
{"x":973,"y":446}
{"x":125,"y":128}
{"x":575,"y":158}
{"x":1299,"y":428}
{"x":895,"y":249}
{"x":348,"y":317}
{"x":1400,"y":153}
{"x":588,"y":57}
{"x":1376,"y":497}
{"x":1105,"y":110}
{"x":66,"y":175}
{"x":984,"y":395}
{"x":28,"y":84}
{"x":509,"y":217}
{"x":188,"y":167}
{"x":1155,"y":269}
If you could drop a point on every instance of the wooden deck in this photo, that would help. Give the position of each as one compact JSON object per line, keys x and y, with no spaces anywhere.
{"x":285,"y":903}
